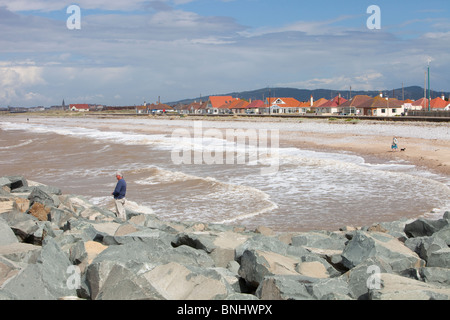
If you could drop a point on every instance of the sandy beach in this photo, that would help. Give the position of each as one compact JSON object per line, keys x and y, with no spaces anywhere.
{"x":431,"y":152}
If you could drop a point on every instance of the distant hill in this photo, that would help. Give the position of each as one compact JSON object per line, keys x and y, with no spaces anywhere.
{"x":413,"y":93}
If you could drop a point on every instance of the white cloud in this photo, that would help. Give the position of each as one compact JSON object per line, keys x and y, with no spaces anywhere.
{"x":367,"y":81}
{"x":16,"y":77}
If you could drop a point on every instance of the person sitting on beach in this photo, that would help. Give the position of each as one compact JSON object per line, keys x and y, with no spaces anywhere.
{"x":394,"y":146}
{"x":119,"y":194}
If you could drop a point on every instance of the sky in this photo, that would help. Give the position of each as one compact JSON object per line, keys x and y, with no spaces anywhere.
{"x":136,"y":51}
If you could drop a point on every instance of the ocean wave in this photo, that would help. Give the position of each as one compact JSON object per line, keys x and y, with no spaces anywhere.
{"x":22,"y":144}
{"x":225,"y":202}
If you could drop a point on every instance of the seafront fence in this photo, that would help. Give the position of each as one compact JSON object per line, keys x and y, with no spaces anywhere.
{"x":422,"y":113}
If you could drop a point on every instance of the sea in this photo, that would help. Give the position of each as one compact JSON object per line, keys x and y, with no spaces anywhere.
{"x":193,"y":171}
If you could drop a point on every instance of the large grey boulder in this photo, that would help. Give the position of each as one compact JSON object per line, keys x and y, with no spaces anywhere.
{"x":444,"y":234}
{"x":8,"y":269}
{"x":364,"y":276}
{"x":263,"y":243}
{"x":47,"y":279}
{"x":389,"y":249}
{"x":15,"y":182}
{"x":436,"y":275}
{"x":424,"y":227}
{"x":220,"y":245}
{"x":299,"y":287}
{"x":23,"y":225}
{"x":257,"y":264}
{"x":171,"y":281}
{"x":439,"y":258}
{"x":21,"y":252}
{"x":396,"y":287}
{"x":7,"y":236}
{"x":137,"y":257}
{"x":425,"y":246}
{"x":40,"y":196}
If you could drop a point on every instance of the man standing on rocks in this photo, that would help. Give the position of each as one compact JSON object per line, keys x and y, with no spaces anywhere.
{"x":119,"y":196}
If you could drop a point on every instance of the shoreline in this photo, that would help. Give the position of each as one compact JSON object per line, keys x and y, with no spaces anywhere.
{"x":430,"y":153}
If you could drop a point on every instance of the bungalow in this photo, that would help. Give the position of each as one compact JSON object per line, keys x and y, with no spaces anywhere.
{"x":216,"y":104}
{"x":315,"y":105}
{"x":351,"y":106}
{"x":238,"y":106}
{"x":193,"y":108}
{"x":381,"y":107}
{"x":331,"y":107}
{"x":157,"y":108}
{"x":283,"y":105}
{"x":79,"y":107}
{"x":421,"y":104}
{"x":304,"y":107}
{"x":255,"y":107}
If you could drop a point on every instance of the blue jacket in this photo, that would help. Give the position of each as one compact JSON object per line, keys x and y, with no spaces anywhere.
{"x":121,"y":189}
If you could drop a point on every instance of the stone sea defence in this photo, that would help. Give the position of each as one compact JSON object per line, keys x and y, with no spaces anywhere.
{"x":57,"y":246}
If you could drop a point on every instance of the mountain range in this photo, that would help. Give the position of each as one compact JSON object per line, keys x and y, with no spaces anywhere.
{"x":412,"y":93}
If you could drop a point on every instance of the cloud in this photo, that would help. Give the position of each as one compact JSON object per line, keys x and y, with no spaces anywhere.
{"x":16,"y":78}
{"x":106,"y":5}
{"x":365,"y":81}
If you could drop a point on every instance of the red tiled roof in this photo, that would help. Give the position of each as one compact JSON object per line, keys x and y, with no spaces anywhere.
{"x":306,"y":104}
{"x":288,"y":102}
{"x":356,"y":101}
{"x":236,"y":104}
{"x":439,"y":103}
{"x":319,"y":102}
{"x":379,"y":102}
{"x":219,"y":101}
{"x":196,"y":106}
{"x":421,"y":102}
{"x":337,"y":101}
{"x":256,"y":104}
{"x":80,"y":106}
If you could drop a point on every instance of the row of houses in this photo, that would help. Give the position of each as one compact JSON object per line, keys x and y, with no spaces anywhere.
{"x":216,"y":105}
{"x":146,"y":108}
{"x":358,"y":105}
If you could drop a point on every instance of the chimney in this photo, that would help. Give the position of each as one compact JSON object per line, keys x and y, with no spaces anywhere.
{"x":312,"y":101}
{"x":443,"y":97}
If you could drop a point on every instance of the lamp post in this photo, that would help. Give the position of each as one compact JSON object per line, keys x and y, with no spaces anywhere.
{"x":429,"y":89}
